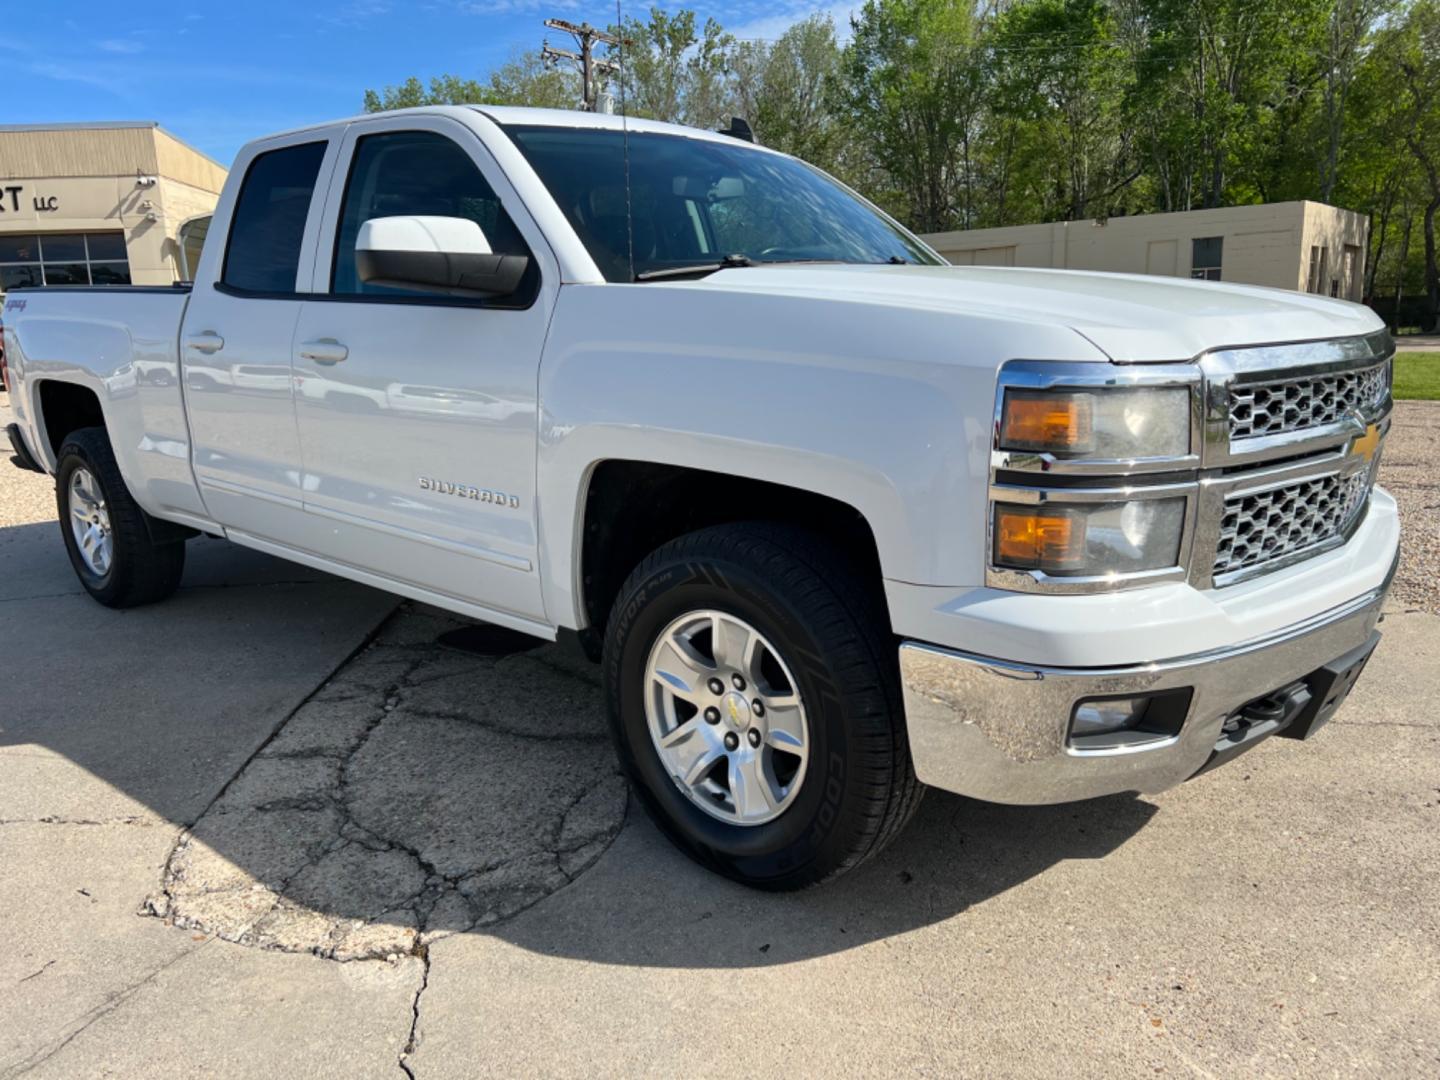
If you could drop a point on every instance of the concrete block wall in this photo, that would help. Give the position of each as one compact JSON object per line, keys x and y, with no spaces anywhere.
{"x":1268,"y":244}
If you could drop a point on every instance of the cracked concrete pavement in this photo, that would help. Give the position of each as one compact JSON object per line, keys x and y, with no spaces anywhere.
{"x":271,"y":826}
{"x":360,"y":831}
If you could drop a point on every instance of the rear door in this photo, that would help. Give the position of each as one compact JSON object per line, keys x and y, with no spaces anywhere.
{"x":237,"y":336}
{"x":417,"y":413}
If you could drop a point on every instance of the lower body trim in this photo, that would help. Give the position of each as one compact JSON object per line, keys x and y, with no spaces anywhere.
{"x":23,"y":458}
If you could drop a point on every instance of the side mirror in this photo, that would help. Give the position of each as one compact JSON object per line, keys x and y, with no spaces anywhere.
{"x":435,"y":255}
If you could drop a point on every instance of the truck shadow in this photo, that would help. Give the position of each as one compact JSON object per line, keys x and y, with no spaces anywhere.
{"x":645,"y":904}
{"x":366,"y":803}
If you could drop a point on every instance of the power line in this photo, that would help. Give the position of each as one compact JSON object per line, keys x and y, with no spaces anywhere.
{"x":585,"y":60}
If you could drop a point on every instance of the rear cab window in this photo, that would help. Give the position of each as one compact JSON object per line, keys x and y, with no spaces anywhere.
{"x":267,"y":228}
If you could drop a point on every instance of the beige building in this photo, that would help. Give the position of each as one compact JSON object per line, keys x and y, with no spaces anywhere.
{"x":1305,"y":246}
{"x":98,"y":204}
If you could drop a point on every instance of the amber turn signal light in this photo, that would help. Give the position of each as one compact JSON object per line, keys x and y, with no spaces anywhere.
{"x":1047,"y":423}
{"x":1033,"y":538}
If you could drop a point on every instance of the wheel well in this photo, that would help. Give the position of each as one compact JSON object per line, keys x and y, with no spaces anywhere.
{"x":66,"y":407}
{"x":632,"y":507}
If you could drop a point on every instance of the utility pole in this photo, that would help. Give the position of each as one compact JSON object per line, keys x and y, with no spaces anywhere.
{"x":585,"y":61}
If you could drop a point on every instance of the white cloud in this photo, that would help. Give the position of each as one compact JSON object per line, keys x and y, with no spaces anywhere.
{"x":45,"y":69}
{"x":520,"y":7}
{"x":770,"y":27}
{"x":123,"y":46}
{"x":355,"y":13}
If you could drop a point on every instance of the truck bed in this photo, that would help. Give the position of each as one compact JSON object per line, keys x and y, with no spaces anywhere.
{"x":122,"y":342}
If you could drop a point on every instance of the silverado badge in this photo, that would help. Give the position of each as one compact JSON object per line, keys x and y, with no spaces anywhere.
{"x":465,"y":491}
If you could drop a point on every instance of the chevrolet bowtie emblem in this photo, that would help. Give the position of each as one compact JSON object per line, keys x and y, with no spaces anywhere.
{"x":734,"y":710}
{"x":1366,"y":445}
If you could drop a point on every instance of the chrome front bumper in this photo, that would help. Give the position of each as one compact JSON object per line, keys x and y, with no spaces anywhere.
{"x":997,"y":730}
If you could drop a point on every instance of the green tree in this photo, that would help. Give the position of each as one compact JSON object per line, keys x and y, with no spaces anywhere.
{"x":1060,"y":80}
{"x":958,"y":113}
{"x":1349,"y":34}
{"x":1370,"y":176}
{"x":913,"y":92}
{"x":524,"y":79}
{"x":672,"y":72}
{"x":1210,"y":75}
{"x":1408,"y":51}
{"x":788,"y":90}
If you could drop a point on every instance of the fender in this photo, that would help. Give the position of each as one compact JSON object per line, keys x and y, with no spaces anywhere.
{"x":820,"y":395}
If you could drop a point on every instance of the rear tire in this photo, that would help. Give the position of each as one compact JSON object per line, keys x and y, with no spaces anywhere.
{"x":106,"y":533}
{"x":838,"y":788}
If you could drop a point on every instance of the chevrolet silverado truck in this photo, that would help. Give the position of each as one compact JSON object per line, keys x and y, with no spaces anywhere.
{"x":838,"y":520}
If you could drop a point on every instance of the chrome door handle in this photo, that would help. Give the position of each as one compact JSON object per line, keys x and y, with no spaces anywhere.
{"x":324,"y":351}
{"x":208,"y":342}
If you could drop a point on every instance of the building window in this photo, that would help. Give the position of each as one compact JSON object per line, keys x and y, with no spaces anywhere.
{"x":1350,"y":275}
{"x":63,"y":259}
{"x":191,"y":235}
{"x":1205,"y":258}
{"x":1319,"y":260}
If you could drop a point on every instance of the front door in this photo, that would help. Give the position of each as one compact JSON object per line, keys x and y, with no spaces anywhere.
{"x":236,"y":344}
{"x":417,"y":413}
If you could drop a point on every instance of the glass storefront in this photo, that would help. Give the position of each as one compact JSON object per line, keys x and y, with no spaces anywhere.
{"x":96,"y":258}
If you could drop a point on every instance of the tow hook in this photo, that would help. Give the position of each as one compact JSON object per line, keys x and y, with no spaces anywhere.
{"x":1266,"y":715}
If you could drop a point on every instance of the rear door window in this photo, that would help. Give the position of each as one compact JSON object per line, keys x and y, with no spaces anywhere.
{"x":268,"y":226}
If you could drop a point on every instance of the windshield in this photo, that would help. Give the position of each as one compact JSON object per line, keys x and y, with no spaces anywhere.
{"x":696,"y":202}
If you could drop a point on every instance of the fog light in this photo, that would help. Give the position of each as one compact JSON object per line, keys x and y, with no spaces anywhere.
{"x":1103,"y":717}
{"x":1128,"y":723}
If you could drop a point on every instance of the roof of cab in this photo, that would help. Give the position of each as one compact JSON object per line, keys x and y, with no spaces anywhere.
{"x":524,"y":116}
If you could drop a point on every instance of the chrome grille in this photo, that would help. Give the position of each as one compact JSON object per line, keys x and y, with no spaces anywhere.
{"x":1285,"y":405}
{"x":1268,"y":526}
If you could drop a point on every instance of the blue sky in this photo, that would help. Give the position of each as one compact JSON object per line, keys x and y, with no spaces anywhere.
{"x":218,"y":74}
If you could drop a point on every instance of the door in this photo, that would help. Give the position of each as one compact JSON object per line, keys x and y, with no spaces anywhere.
{"x":1350,"y":273}
{"x":237,"y":337}
{"x":417,"y":412}
{"x":1161,"y":257}
{"x":995,"y":256}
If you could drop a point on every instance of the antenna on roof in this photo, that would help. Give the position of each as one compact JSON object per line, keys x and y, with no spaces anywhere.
{"x":739,"y":128}
{"x":620,"y":44}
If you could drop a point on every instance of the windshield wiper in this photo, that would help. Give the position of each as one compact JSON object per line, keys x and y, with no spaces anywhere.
{"x":695,"y":269}
{"x":732,"y":261}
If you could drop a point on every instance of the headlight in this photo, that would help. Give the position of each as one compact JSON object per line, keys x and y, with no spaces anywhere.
{"x":1089,"y":539}
{"x":1104,"y":424}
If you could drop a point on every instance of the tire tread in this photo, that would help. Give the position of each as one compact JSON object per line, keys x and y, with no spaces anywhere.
{"x":145,"y":572}
{"x":846,"y":614}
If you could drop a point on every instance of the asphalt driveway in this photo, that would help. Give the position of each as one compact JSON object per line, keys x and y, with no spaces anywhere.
{"x":275,"y":826}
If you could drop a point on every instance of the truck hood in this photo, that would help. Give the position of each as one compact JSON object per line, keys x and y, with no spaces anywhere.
{"x":1129,"y":317}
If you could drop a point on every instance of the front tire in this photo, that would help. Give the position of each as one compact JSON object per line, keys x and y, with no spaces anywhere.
{"x":754,"y":698}
{"x":105,"y":531}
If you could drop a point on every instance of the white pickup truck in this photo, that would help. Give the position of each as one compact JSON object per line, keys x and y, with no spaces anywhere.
{"x":839,"y":520}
